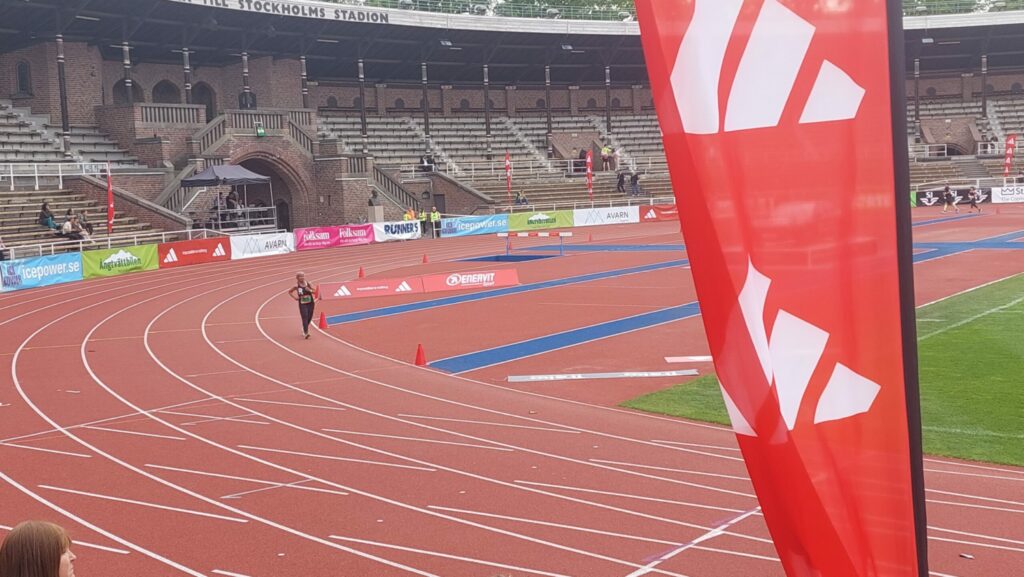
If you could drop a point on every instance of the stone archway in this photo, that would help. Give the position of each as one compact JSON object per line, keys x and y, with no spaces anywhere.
{"x":288,"y":189}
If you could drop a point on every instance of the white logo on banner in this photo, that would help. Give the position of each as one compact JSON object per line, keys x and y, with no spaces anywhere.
{"x":651,"y":215}
{"x":250,"y":246}
{"x":788,"y":358}
{"x":343,"y":292}
{"x":1007,"y":194}
{"x":766,"y":74}
{"x":219,"y":251}
{"x":171,"y":257}
{"x":403,"y":288}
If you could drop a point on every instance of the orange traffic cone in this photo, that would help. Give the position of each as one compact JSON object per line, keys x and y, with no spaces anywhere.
{"x":425,"y":259}
{"x":421,"y":357}
{"x":323,"y":321}
{"x":590,"y":238}
{"x":361,"y":273}
{"x":316,"y":292}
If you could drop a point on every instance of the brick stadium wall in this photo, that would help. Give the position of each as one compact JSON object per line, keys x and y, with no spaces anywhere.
{"x":958,"y":132}
{"x":144,"y":186}
{"x":119,"y":122}
{"x":457,"y":200}
{"x":40,"y":65}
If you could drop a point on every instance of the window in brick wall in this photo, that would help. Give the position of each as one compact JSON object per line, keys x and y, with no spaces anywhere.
{"x":24,"y":74}
{"x":203,"y":95}
{"x":591,"y":103}
{"x":541,"y":103}
{"x":399,"y":103}
{"x":357,"y":102}
{"x":166,"y":92}
{"x":931,"y":91}
{"x":121,"y":93}
{"x":464,"y":104}
{"x":332,"y":102}
{"x":616,"y":103}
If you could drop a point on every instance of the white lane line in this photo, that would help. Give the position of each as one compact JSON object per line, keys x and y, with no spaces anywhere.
{"x":215,"y":373}
{"x":739,"y":553}
{"x":418,"y":440}
{"x":965,"y":291}
{"x":719,"y":447}
{"x":209,"y":419}
{"x":273,"y":484}
{"x":305,"y":406}
{"x":238,"y":341}
{"x":638,"y":497}
{"x":123,"y":432}
{"x":493,"y":424}
{"x":975,"y":544}
{"x":689,"y":359}
{"x":971,"y":506}
{"x":687,"y":471}
{"x":720,"y":530}
{"x":84,"y":544}
{"x":973,"y":466}
{"x":334,"y":458}
{"x":55,"y":451}
{"x":227,"y":573}
{"x":978,"y":497}
{"x":966,"y":534}
{"x":447,"y":556}
{"x":144,"y":504}
{"x":972,"y":318}
{"x":296,"y":484}
{"x":1018,"y":479}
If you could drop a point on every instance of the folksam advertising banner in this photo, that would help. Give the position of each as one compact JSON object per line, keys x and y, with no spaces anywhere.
{"x":353,"y":234}
{"x":1007,"y":194}
{"x":316,"y":237}
{"x":403,"y":230}
{"x":256,"y":245}
{"x":469,"y":225}
{"x":189,"y":252}
{"x":115,"y":261}
{"x":28,"y":273}
{"x":540,"y":220}
{"x":599,"y":216}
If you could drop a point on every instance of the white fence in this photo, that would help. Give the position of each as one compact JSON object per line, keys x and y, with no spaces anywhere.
{"x":55,"y":247}
{"x":46,"y":173}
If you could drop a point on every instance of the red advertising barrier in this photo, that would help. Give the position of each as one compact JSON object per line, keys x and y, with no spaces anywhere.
{"x":659,"y":212}
{"x":190,"y":252}
{"x":316,"y":237}
{"x":470,"y":280}
{"x":371,"y":288}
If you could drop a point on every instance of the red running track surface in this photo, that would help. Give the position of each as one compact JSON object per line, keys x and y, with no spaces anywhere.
{"x":176,"y":423}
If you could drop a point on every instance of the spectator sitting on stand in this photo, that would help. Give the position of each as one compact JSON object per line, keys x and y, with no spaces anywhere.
{"x":84,"y":221}
{"x":72,"y":230}
{"x":46,"y":217}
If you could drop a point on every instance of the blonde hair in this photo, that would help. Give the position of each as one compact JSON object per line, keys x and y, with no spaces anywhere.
{"x":33,"y":549}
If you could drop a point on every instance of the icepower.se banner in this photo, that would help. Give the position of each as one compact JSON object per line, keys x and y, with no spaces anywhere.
{"x":469,"y":225}
{"x":28,"y":273}
{"x":778,"y":125}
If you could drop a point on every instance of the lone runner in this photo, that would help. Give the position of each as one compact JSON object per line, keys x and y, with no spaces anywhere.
{"x":304,"y":294}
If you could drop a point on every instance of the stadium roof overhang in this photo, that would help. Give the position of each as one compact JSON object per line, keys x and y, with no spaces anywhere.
{"x":393,"y":43}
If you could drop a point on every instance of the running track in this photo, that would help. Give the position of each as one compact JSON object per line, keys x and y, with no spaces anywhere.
{"x":174,"y":422}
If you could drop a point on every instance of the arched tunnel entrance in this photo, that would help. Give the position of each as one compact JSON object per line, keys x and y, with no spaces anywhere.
{"x":260,"y":195}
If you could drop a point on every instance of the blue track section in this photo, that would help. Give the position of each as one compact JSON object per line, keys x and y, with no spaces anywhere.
{"x":514,"y":351}
{"x":471,"y":297}
{"x":943,"y":219}
{"x":609,"y":248}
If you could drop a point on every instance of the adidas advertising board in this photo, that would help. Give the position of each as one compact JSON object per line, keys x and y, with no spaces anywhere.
{"x":1007,"y":194}
{"x":658,"y":213}
{"x":470,"y":225}
{"x":256,"y":245}
{"x":28,"y":273}
{"x":402,"y":230}
{"x":189,"y":252}
{"x":599,"y":216}
{"x":115,"y":261}
{"x":371,"y":288}
{"x":816,"y":357}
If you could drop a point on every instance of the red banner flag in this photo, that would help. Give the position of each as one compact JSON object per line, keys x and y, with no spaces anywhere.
{"x":508,"y":175}
{"x":590,"y":174}
{"x":1011,"y":151}
{"x":110,"y":201}
{"x":784,"y":125}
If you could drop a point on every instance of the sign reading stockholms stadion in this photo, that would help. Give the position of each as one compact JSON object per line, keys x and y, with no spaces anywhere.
{"x":298,"y":9}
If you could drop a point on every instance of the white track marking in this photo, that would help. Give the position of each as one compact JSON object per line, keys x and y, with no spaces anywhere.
{"x":972,"y":506}
{"x":965,"y":291}
{"x":137,"y":548}
{"x":84,"y":544}
{"x":1017,"y":479}
{"x":213,"y":373}
{"x":296,"y":485}
{"x":739,"y":553}
{"x":293,"y":404}
{"x":975,"y":544}
{"x":492,"y":424}
{"x":227,"y":573}
{"x":55,"y":451}
{"x":636,"y":497}
{"x":417,"y":440}
{"x":971,"y":319}
{"x":154,"y":435}
{"x":966,"y":496}
{"x":687,"y":471}
{"x":334,"y":458}
{"x":210,"y":419}
{"x":719,"y":447}
{"x":144,"y":504}
{"x":447,"y":556}
{"x":720,"y":530}
{"x":966,"y":534}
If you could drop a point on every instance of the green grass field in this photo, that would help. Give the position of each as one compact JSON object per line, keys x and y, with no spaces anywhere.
{"x":971,"y":350}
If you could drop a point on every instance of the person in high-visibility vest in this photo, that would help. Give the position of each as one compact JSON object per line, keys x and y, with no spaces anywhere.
{"x":435,"y":222}
{"x":409,"y":215}
{"x":423,"y":222}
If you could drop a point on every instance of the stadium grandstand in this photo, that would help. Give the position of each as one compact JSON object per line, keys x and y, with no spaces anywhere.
{"x":402,"y":103}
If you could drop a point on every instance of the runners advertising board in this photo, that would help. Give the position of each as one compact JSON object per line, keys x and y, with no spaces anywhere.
{"x":256,"y":245}
{"x":115,"y":261}
{"x":199,"y":251}
{"x":26,"y":273}
{"x":599,"y":216}
{"x":784,"y":123}
{"x":470,"y":225}
{"x":401,"y":230}
{"x":525,"y":221}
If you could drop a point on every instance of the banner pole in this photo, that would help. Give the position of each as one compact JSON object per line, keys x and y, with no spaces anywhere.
{"x":905,"y":259}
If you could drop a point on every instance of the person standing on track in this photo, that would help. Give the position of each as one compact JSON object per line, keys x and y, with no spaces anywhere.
{"x":304,"y":294}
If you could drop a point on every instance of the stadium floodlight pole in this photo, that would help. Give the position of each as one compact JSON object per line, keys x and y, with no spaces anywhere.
{"x":917,"y":93}
{"x":608,"y":99}
{"x":65,"y":123}
{"x":362,"y":106}
{"x":126,"y":62}
{"x":984,"y":85}
{"x":426,"y":108}
{"x":305,"y":81}
{"x":487,"y":110}
{"x":187,"y":64}
{"x":246,"y":89}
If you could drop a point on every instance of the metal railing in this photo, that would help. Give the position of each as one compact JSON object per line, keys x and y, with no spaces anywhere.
{"x":211,"y":133}
{"x":928,"y":151}
{"x":300,"y":137}
{"x":171,"y":113}
{"x":394,"y":189}
{"x":991,"y":149}
{"x":114,"y":240}
{"x":38,"y":173}
{"x":932,"y":7}
{"x":495,"y":169}
{"x":235,"y":220}
{"x":515,"y":11}
{"x":567,"y":205}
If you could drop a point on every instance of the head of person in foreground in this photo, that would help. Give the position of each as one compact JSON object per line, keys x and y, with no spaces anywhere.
{"x":37,"y":549}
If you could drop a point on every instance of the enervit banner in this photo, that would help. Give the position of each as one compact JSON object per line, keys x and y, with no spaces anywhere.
{"x":403,"y":230}
{"x":1008,"y":194}
{"x":254,"y":245}
{"x":115,"y":261}
{"x":467,"y":225}
{"x":659,"y":212}
{"x":353,"y":234}
{"x":371,"y":288}
{"x":521,"y":221}
{"x":316,"y":237}
{"x":41,"y":271}
{"x":470,"y":280}
{"x":817,"y":361}
{"x":599,"y":216}
{"x":184,"y":253}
